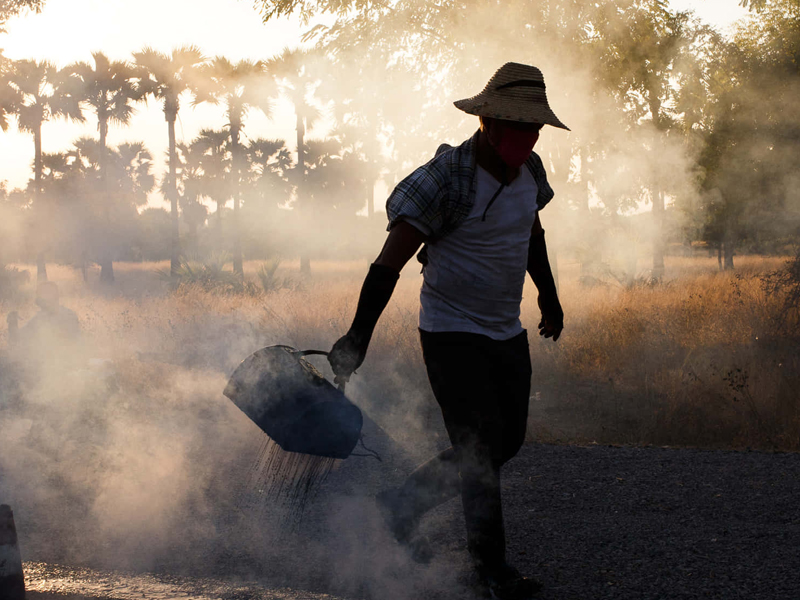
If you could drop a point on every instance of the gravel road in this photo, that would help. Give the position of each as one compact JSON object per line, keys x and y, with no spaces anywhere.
{"x":590,"y":522}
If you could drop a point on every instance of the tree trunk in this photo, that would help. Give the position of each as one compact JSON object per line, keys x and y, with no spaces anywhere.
{"x":583,"y":207}
{"x":41,"y":266}
{"x":172,"y":190}
{"x":654,"y":102}
{"x":371,"y":197}
{"x":220,"y":241}
{"x":552,"y":254}
{"x":729,"y":246}
{"x":106,"y":263}
{"x":305,"y":259}
{"x":371,"y":171}
{"x":658,"y":235}
{"x":84,"y":267}
{"x":238,"y":268}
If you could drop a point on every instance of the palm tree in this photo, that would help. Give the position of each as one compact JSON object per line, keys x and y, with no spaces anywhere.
{"x":134,"y":173}
{"x":210,"y":170}
{"x":166,"y":77}
{"x":240,"y":86}
{"x":188,"y":189}
{"x":269,"y":162}
{"x":9,"y":95}
{"x":108,"y":88}
{"x":359,"y":92}
{"x":39,"y":93}
{"x":294,"y":71}
{"x":128,"y":181}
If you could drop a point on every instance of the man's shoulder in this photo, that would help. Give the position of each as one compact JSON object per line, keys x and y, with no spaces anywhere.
{"x":430,"y":193}
{"x":535,"y":164}
{"x":536,"y":167}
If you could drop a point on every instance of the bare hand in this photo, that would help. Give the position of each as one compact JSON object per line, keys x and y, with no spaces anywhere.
{"x":552,"y":323}
{"x":550,"y":328}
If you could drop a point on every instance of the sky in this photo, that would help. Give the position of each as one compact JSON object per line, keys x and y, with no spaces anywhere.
{"x":67,"y":31}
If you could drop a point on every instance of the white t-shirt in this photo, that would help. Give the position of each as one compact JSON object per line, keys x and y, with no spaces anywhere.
{"x":474,"y":277}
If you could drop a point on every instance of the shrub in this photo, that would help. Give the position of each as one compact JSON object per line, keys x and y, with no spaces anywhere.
{"x":266,"y":274}
{"x":786,"y":282}
{"x":210,"y":276}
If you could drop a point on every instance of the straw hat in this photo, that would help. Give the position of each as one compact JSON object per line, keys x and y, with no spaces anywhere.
{"x":515,"y":93}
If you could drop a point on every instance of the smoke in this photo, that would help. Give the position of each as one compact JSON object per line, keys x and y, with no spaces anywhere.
{"x":121,"y":451}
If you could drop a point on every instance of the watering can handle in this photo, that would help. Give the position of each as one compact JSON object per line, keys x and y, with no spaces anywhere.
{"x":302,"y":353}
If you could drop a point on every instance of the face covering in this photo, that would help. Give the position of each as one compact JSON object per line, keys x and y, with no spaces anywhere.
{"x":515,"y":146}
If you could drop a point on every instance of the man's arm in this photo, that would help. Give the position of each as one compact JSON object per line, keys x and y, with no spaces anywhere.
{"x":401,"y":244}
{"x":349,"y":351}
{"x":539,"y":269}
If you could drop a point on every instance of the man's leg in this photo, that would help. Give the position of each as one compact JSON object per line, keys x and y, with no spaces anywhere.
{"x":438,"y":479}
{"x":482,"y":387}
{"x":432,"y":483}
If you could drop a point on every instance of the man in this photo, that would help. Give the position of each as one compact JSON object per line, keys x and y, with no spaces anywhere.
{"x":475,"y":207}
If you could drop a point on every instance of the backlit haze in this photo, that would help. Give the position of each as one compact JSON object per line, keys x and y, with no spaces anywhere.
{"x":70,"y":30}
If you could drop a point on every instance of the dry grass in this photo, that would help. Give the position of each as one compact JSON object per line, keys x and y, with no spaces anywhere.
{"x":694,"y":361}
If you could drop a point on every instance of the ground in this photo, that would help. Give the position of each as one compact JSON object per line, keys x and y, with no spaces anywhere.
{"x":590,"y":522}
{"x":126,"y":473}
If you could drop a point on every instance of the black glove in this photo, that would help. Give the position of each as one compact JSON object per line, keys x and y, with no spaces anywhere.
{"x":349,"y":351}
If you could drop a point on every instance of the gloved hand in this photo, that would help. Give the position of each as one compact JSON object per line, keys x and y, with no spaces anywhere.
{"x":347,"y":355}
{"x":349,"y":351}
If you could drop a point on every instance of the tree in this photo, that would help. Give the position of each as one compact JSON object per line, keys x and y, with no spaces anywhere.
{"x":89,"y":203}
{"x":751,"y":151}
{"x":12,"y":8}
{"x":166,"y":77}
{"x":209,"y":171}
{"x":293,"y":70}
{"x":266,"y":193}
{"x":269,"y":165}
{"x":188,"y":189}
{"x":108,"y":89}
{"x":644,"y":44}
{"x":240,"y":86}
{"x":335,"y":174}
{"x":41,"y":93}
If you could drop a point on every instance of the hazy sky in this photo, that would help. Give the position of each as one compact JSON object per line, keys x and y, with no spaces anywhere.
{"x":69,"y":30}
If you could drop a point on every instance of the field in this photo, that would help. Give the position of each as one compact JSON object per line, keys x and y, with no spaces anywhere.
{"x":123,"y":452}
{"x":694,"y":361}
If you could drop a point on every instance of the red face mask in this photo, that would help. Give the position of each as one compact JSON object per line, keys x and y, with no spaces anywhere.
{"x":515,"y":146}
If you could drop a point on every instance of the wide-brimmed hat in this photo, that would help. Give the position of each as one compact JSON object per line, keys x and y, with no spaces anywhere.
{"x":515,"y":93}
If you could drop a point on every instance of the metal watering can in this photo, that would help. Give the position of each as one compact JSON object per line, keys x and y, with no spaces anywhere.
{"x":294,"y":404}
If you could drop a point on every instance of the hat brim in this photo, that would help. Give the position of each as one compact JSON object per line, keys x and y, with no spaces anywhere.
{"x":510,"y":110}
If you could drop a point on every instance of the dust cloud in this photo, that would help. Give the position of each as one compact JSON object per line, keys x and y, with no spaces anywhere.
{"x":117,"y":447}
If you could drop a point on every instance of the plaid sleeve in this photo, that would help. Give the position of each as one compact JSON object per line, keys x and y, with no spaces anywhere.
{"x":419,"y":197}
{"x":546,"y":193}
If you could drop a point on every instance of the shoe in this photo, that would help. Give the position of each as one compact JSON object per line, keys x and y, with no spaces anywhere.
{"x":403,"y":527}
{"x":506,"y":583}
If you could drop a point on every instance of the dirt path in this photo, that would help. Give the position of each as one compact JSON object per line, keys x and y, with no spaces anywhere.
{"x":604,"y":522}
{"x":591,"y":522}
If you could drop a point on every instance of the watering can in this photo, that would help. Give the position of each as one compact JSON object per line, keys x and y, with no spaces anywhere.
{"x":294,"y":404}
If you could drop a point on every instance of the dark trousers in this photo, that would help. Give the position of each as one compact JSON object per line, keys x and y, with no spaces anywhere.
{"x":483,"y":388}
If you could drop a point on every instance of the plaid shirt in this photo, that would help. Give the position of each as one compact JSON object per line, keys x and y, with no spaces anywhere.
{"x":441,"y":193}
